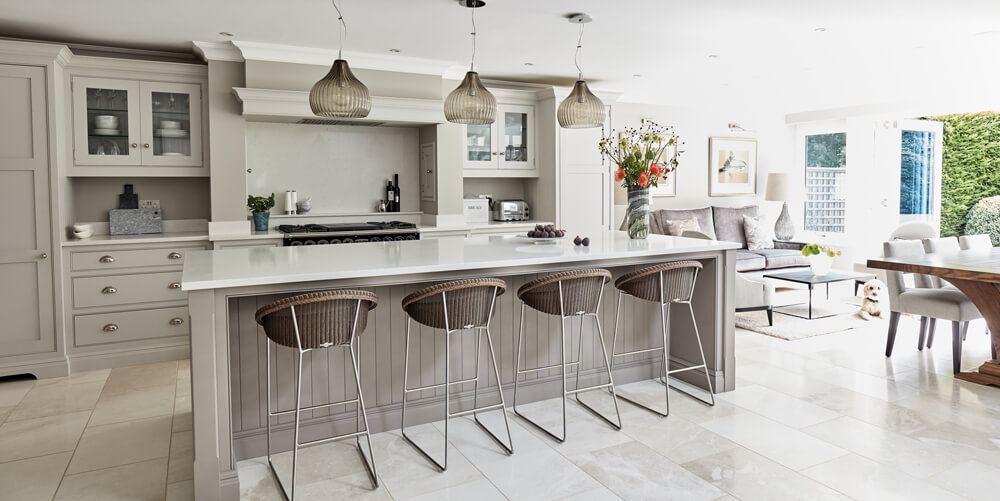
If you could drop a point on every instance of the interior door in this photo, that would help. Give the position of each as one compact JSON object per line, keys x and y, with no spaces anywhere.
{"x":26,"y":299}
{"x":584,"y":182}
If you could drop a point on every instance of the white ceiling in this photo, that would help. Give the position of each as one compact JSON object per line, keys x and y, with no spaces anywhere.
{"x":769,"y":52}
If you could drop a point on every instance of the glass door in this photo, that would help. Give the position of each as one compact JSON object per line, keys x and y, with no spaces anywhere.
{"x":171,"y":124}
{"x":106,"y":125}
{"x":479,"y":147}
{"x":517,"y":137}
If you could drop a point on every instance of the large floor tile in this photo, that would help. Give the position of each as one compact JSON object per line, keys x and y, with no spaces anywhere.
{"x":634,"y":471}
{"x":779,"y":407}
{"x":650,"y":392}
{"x":181,"y":491}
{"x":752,"y":477}
{"x":480,"y":490}
{"x":971,"y":479}
{"x":33,"y":479}
{"x":598,"y":494}
{"x":131,"y":404}
{"x":889,"y":448}
{"x":866,"y":384}
{"x":679,"y":440}
{"x":52,"y":399}
{"x":4,"y":412}
{"x":146,"y":481}
{"x":142,"y":376}
{"x":121,"y":443}
{"x":538,"y":475}
{"x":584,"y":431}
{"x":864,"y":479}
{"x":11,"y":392}
{"x":405,"y":473}
{"x":775,"y":441}
{"x":780,"y":379}
{"x":256,"y":481}
{"x":84,"y":377}
{"x":890,"y":416}
{"x":41,"y":436}
{"x":962,"y":441}
{"x":181,"y":457}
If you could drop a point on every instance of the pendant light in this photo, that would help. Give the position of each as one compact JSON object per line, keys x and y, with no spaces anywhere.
{"x":581,"y":109}
{"x":471,"y":102}
{"x":340,"y":93}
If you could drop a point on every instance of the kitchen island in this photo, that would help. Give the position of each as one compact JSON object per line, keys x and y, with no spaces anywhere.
{"x":227,"y":347}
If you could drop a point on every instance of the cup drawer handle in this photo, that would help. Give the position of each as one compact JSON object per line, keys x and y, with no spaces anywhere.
{"x":110,"y":328}
{"x":176,"y":321}
{"x":109,"y":290}
{"x":174,"y":285}
{"x":107,"y":259}
{"x":174,"y":255}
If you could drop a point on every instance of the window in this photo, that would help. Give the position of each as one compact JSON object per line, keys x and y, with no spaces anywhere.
{"x":826,"y":166}
{"x":916,"y":173}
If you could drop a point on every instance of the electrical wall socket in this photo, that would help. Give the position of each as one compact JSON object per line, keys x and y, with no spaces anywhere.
{"x":149,"y":204}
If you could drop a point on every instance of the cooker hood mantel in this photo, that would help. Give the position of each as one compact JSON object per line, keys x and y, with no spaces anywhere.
{"x":285,"y":106}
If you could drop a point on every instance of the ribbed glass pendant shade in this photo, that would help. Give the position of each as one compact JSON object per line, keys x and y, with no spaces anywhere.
{"x":581,"y":109}
{"x":471,"y":103}
{"x":340,"y":94}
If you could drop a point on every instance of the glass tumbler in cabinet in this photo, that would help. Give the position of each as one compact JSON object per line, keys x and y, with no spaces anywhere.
{"x":171,"y":124}
{"x":479,"y":152}
{"x":106,"y":128}
{"x":517,"y":137}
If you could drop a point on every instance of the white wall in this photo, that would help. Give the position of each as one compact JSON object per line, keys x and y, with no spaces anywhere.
{"x":343,"y":168}
{"x":775,"y":149}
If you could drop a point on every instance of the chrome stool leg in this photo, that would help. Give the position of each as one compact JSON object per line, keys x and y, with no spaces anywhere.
{"x":509,"y":447}
{"x":607,"y":366}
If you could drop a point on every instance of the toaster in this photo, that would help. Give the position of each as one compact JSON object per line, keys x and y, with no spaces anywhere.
{"x":510,"y":210}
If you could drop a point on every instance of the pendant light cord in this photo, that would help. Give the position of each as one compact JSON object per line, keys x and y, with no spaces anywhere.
{"x":341,"y":32}
{"x":579,"y":46}
{"x":472,"y":66}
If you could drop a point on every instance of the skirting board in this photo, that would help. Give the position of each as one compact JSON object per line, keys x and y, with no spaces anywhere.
{"x":111,"y":359}
{"x":251,"y":444}
{"x":42,"y":367}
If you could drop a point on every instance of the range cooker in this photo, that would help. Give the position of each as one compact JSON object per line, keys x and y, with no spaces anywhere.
{"x":346,"y":233}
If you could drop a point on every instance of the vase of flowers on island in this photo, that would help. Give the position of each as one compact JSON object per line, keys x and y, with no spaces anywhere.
{"x":820,"y":258}
{"x":644,"y":156}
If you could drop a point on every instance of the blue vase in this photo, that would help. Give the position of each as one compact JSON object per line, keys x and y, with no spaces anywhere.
{"x":638,"y":212}
{"x":260,"y":220}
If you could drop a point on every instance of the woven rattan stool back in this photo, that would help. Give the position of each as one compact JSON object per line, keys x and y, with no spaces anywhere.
{"x":678,"y":281}
{"x":469,"y":303}
{"x":581,"y":291}
{"x":324,"y":318}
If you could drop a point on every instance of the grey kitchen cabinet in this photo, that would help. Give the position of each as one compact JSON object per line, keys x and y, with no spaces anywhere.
{"x":151,"y":126}
{"x":125,"y":304}
{"x":26,"y":270}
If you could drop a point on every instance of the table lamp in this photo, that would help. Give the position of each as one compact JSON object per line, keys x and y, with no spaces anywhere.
{"x":777,"y":191}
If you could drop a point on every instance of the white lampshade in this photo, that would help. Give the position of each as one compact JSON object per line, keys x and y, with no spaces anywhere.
{"x":777,"y":188}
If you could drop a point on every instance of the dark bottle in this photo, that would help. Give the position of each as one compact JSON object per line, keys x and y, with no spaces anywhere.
{"x":396,"y":199}
{"x":390,"y":197}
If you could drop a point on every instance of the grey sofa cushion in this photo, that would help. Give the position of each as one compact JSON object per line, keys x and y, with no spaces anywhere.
{"x":704,"y":217}
{"x":942,"y":304}
{"x":749,"y":261}
{"x":729,"y":223}
{"x":782,"y":258}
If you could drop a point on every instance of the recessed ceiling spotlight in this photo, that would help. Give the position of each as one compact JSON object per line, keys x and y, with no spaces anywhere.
{"x":226,"y":34}
{"x":820,"y":29}
{"x":637,"y":75}
{"x":713,"y":56}
{"x":529,"y":64}
{"x":394,"y":51}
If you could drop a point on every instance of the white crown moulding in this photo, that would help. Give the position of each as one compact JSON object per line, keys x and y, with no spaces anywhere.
{"x":259,"y":51}
{"x":218,"y":51}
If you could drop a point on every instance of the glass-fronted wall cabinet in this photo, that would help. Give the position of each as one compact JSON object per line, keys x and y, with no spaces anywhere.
{"x":506,"y":145}
{"x":136,"y":123}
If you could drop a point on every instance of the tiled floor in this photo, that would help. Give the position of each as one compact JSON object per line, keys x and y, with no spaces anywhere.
{"x":122,"y":434}
{"x":826,"y":417}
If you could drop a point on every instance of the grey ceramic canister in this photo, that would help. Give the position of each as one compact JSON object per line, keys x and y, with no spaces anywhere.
{"x":304,"y":206}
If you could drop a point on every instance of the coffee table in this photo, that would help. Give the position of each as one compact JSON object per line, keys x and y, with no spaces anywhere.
{"x":810,"y":279}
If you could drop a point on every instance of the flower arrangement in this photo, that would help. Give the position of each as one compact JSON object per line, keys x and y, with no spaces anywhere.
{"x":817,"y":249}
{"x":638,"y":154}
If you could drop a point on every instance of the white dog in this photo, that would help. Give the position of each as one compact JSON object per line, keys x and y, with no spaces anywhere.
{"x":872,"y":305}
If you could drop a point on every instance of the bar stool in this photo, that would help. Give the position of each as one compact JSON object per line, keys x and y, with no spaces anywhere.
{"x":667,"y":284}
{"x":308,"y":322}
{"x":574,"y":293}
{"x":455,"y":306}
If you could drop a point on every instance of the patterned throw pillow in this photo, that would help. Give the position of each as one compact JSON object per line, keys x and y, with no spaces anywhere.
{"x":676,"y":227}
{"x":758,"y":236}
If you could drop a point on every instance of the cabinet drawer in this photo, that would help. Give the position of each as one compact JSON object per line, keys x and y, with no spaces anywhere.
{"x":127,"y":289}
{"x":130,"y":325}
{"x":114,"y":259}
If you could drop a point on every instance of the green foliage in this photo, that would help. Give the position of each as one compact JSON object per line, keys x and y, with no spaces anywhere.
{"x":826,"y":150}
{"x":984,"y":219}
{"x":817,"y":249}
{"x":260,"y":204}
{"x":971,"y":169}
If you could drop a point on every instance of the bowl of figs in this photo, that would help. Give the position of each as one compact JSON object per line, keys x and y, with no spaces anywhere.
{"x":542,"y":234}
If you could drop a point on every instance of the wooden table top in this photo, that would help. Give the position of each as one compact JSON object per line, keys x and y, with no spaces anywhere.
{"x":976,"y":265}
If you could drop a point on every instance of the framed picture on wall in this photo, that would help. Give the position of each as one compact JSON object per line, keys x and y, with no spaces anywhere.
{"x":732,"y":166}
{"x":665,"y":187}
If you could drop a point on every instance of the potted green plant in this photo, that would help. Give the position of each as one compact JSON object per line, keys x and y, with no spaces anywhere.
{"x":820,"y":257}
{"x":261,"y":209}
{"x":644,"y":156}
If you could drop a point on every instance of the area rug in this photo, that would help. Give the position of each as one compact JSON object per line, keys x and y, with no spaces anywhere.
{"x":791,"y":328}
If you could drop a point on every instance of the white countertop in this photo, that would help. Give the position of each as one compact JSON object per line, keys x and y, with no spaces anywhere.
{"x":253,"y":235}
{"x":241,"y":267}
{"x":513,"y":225}
{"x":152,"y":238}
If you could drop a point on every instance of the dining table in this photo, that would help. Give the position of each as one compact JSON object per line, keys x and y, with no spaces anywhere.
{"x":975,"y":272}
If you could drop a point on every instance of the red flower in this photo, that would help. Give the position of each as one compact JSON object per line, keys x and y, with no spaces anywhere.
{"x":655,"y":170}
{"x":619,"y":174}
{"x":643,"y":180}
